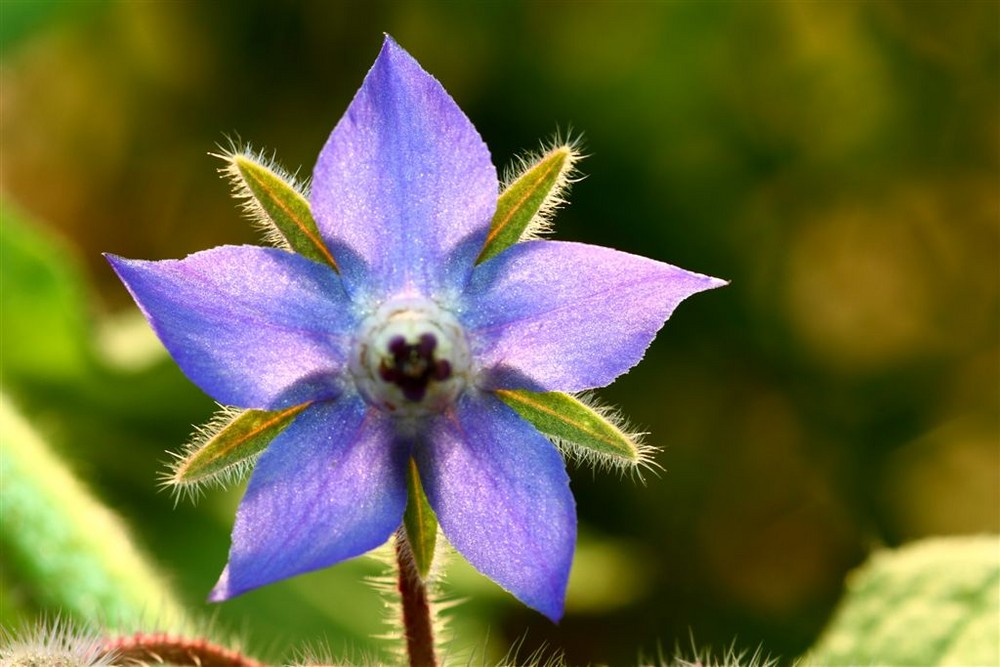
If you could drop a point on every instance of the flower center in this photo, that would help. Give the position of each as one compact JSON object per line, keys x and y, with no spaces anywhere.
{"x":411,"y":358}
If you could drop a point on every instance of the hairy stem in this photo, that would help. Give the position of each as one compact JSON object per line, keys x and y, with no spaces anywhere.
{"x":144,"y":648}
{"x":417,"y":622}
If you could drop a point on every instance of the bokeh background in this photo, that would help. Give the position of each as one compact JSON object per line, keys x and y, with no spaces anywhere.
{"x":837,"y":161}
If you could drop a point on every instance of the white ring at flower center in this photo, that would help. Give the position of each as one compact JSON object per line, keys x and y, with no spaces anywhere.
{"x":411,"y":358}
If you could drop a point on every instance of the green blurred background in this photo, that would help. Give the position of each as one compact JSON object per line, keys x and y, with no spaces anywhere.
{"x":838,"y":162}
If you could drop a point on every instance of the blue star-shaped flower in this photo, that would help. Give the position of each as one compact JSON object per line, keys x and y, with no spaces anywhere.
{"x":398,"y":354}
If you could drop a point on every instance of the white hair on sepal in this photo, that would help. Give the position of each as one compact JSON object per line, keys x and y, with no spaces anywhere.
{"x":59,"y":641}
{"x":193,"y":489}
{"x":249,"y":204}
{"x":705,"y":657}
{"x":643,"y":460}
{"x":53,"y":642}
{"x":318,"y":654}
{"x":542,"y":656}
{"x":541,"y":223}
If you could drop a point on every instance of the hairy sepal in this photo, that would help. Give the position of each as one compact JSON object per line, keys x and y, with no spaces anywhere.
{"x":276,"y":202}
{"x":582,"y":429}
{"x":226,"y":448}
{"x":55,"y":642}
{"x":530,"y":197}
{"x":420,"y":523}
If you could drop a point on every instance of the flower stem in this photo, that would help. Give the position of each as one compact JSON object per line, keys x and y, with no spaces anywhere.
{"x":417,"y":623}
{"x":143,"y":648}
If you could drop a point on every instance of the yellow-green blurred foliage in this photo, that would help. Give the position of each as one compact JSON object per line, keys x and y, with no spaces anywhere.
{"x":837,"y":161}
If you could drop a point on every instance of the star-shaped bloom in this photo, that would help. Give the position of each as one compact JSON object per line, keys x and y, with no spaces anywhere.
{"x":397,"y":351}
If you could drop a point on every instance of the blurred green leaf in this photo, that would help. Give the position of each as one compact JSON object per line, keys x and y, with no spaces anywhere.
{"x":45,"y":327}
{"x":72,"y":554}
{"x":20,"y":18}
{"x":934,"y":602}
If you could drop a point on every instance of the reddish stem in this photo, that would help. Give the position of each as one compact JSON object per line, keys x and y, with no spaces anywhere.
{"x":164,"y":648}
{"x":416,"y":607}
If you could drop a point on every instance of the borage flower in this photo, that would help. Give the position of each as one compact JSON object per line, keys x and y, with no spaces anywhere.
{"x":411,"y":342}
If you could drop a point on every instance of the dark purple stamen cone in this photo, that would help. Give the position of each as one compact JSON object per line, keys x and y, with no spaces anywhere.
{"x":412,"y":367}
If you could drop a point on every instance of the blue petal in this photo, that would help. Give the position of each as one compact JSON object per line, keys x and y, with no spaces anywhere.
{"x":501,"y":494}
{"x":253,"y":327}
{"x":556,"y":316}
{"x":332,"y":486}
{"x":404,"y":190}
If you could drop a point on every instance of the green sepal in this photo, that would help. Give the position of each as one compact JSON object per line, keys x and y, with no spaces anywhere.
{"x":573,"y":421}
{"x":231,"y":442}
{"x":527,"y":198}
{"x":284,"y":206}
{"x":420,"y":522}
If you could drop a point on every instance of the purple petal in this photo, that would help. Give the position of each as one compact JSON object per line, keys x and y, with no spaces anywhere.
{"x":554,"y":316}
{"x":404,"y":190}
{"x":253,"y":327}
{"x":501,"y":494}
{"x":332,"y":486}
